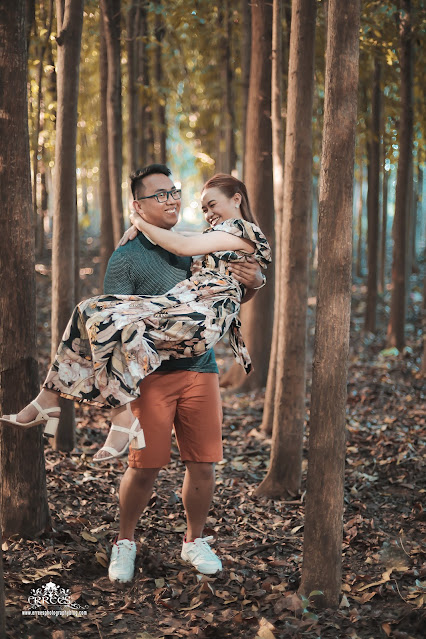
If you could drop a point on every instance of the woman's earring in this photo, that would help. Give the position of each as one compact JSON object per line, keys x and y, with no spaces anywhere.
{"x":237,"y":206}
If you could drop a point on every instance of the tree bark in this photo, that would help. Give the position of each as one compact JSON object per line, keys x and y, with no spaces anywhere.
{"x":284,"y":474}
{"x":23,"y":498}
{"x":382,"y":279}
{"x":245,"y":72}
{"x":37,"y":126}
{"x":278,"y":178}
{"x":70,"y":21}
{"x":132,"y":89}
{"x":324,"y":498}
{"x":2,"y":595}
{"x":373,"y":147}
{"x":111,"y":17}
{"x":258,"y":177}
{"x":396,"y":326}
{"x":107,"y":235}
{"x":226,"y":157}
{"x":359,"y":225}
{"x":160,"y":115}
{"x":146,"y":131}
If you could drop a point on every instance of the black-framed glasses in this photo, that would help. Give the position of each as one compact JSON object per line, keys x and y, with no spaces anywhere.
{"x":163,"y":196}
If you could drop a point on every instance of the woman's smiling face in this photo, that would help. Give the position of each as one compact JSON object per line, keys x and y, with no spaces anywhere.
{"x":217,"y":207}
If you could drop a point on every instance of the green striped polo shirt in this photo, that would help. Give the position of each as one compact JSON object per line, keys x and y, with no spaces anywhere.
{"x":141,"y":267}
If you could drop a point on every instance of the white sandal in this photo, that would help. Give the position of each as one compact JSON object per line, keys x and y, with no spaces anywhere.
{"x":137,"y":440}
{"x":42,"y":416}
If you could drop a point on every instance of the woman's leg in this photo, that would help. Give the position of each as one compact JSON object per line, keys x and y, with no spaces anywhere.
{"x":46,"y":399}
{"x":117,"y":439}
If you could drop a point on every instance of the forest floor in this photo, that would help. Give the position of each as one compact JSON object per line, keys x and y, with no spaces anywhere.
{"x":258,"y":540}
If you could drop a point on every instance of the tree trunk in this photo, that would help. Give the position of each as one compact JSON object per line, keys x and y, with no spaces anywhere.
{"x":226,"y":152}
{"x":245,"y":72}
{"x":23,"y":498}
{"x":70,"y":21}
{"x":278,"y":177}
{"x":44,"y":202}
{"x":111,"y":16}
{"x":160,"y":115}
{"x":324,"y":498}
{"x":146,"y":131}
{"x":107,"y":235}
{"x":47,"y":26}
{"x":132,"y":89}
{"x":384,"y":231}
{"x":396,"y":326}
{"x":2,"y":595}
{"x":284,"y":474}
{"x":258,"y":178}
{"x":359,"y":225}
{"x":373,"y":149}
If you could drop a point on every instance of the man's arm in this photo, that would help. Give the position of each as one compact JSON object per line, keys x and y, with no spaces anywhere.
{"x":249,"y":274}
{"x":118,"y":280}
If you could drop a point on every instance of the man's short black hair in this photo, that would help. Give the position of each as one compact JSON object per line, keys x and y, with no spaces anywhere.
{"x":136,"y":179}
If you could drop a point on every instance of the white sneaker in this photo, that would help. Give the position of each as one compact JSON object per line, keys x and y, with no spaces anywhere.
{"x":122,"y":562}
{"x":201,"y":556}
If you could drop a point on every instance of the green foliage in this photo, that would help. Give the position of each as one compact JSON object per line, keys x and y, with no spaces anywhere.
{"x":192,"y":44}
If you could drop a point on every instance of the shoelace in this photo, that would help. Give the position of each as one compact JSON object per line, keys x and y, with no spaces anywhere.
{"x":203,"y":547}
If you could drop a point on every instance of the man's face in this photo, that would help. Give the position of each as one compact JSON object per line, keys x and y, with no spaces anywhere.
{"x":164,"y":215}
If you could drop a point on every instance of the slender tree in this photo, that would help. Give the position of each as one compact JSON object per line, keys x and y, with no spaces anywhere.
{"x":373,"y":150}
{"x":284,"y":474}
{"x":324,"y":499}
{"x":132,"y":89}
{"x":70,"y":22}
{"x":382,"y":277}
{"x":47,"y":29}
{"x":245,"y":71}
{"x":145,"y":119}
{"x":107,"y":234}
{"x":23,"y":499}
{"x":396,"y":326}
{"x":111,"y":13}
{"x":278,"y":175}
{"x":258,"y":177}
{"x":160,"y":105}
{"x":2,"y":595}
{"x":226,"y":157}
{"x":360,"y":209}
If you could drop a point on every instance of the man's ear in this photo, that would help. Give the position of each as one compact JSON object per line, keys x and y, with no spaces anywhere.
{"x":138,"y":208}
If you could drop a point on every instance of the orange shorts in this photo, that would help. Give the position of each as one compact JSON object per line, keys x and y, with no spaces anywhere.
{"x":189,"y":400}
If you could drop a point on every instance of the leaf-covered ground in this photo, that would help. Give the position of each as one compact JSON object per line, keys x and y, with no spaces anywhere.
{"x":259,"y":541}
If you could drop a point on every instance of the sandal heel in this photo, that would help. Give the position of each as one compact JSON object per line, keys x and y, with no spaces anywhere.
{"x":51,"y":426}
{"x":138,"y":442}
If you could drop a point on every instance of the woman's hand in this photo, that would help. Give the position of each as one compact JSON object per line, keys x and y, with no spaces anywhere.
{"x":247,"y":272}
{"x":130,"y":234}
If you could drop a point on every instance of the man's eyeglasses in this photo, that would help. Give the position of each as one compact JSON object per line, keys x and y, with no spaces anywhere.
{"x":163,"y":196}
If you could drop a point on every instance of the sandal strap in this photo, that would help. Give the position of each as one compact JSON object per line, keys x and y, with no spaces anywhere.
{"x":129,"y":431}
{"x":109,"y":449}
{"x":44,"y":412}
{"x":121,"y":429}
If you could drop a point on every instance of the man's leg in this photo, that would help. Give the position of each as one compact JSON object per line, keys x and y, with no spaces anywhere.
{"x":198,"y":425}
{"x":135,"y":492}
{"x":155,"y":409}
{"x":197,"y":494}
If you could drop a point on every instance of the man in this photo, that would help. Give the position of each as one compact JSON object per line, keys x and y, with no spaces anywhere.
{"x":182,"y":392}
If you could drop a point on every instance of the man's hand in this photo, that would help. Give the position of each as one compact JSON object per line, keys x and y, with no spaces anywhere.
{"x":247,"y":272}
{"x":130,"y":234}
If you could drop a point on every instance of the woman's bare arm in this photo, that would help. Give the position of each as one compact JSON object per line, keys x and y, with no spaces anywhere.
{"x":197,"y":244}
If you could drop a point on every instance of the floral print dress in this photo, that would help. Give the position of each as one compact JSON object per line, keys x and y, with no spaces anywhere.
{"x":113,"y":341}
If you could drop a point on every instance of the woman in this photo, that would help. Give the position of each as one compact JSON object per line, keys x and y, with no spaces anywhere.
{"x":113,"y":341}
